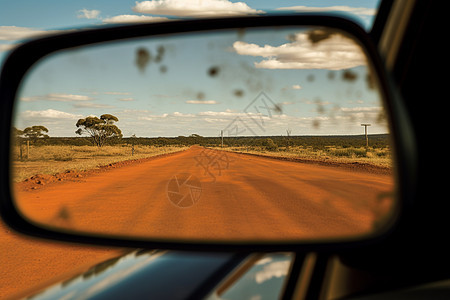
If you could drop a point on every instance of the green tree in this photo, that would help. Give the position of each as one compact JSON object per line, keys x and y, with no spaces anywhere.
{"x":16,"y":139}
{"x":270,"y":145}
{"x":196,"y":139}
{"x":34,"y":132}
{"x":99,"y":129}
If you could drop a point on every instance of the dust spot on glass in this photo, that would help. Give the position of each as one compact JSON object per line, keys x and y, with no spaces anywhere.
{"x":316,"y":124}
{"x":240,"y":34}
{"x":143,"y":58}
{"x":213,"y":71}
{"x":320,"y":106}
{"x":333,"y":112}
{"x":352,"y":118}
{"x":291,"y":37}
{"x":278,"y":108}
{"x":349,"y":76}
{"x":310,"y":78}
{"x":159,"y":53}
{"x":255,"y":79}
{"x":316,"y":36}
{"x":383,"y":210}
{"x":200,"y":96}
{"x":64,"y":214}
{"x":381,"y":117}
{"x":238,"y":93}
{"x":331,"y":75}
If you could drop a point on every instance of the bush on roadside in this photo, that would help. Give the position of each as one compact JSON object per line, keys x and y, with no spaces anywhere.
{"x":348,"y":152}
{"x":270,"y":145}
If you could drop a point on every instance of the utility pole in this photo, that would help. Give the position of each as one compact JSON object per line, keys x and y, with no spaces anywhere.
{"x":365,"y":132}
{"x":28,"y":149}
{"x":133,"y":140}
{"x":221,"y":135}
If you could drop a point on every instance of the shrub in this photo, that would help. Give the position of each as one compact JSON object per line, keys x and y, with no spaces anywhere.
{"x":270,"y":145}
{"x":348,"y":152}
{"x":62,"y":157}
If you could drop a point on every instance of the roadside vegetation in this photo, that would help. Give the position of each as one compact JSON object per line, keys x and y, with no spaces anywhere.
{"x":53,"y":159}
{"x":377,"y":157}
{"x":51,"y":155}
{"x":100,"y":142}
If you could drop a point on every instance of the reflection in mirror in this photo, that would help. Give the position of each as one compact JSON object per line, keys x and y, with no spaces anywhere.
{"x":260,"y":277}
{"x":275,"y":135}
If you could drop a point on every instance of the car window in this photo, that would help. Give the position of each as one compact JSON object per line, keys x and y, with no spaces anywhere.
{"x":263,"y":278}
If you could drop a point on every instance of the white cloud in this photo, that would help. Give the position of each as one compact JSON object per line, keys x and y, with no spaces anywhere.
{"x":68,"y":97}
{"x":91,"y":105}
{"x":335,"y":52}
{"x":6,"y":47}
{"x":126,"y":99}
{"x":292,"y":87}
{"x":135,"y":111}
{"x":227,"y":113}
{"x":354,"y":10}
{"x":201,"y":102}
{"x":88,"y":14}
{"x":194,"y":8}
{"x":362,"y":109}
{"x":58,"y":97}
{"x":342,"y":120}
{"x":49,"y":114}
{"x":274,"y":269}
{"x":179,"y":114}
{"x":13,"y":33}
{"x":145,"y":118}
{"x":133,"y":19}
{"x":264,"y":261}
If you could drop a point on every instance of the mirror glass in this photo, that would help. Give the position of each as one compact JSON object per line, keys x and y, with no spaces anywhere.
{"x":268,"y":134}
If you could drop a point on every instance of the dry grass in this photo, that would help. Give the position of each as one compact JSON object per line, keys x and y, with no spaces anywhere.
{"x":56,"y":159}
{"x":372,"y":156}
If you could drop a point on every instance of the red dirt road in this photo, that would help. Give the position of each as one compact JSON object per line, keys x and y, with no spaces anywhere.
{"x":202,"y":193}
{"x":26,"y":263}
{"x":197,"y":193}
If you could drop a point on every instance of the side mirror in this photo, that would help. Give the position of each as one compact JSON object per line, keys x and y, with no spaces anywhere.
{"x":251,"y":133}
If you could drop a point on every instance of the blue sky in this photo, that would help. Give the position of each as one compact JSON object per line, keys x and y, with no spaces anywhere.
{"x":251,"y":93}
{"x":53,"y":14}
{"x":21,"y":19}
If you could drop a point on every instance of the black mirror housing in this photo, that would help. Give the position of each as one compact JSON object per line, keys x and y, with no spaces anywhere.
{"x":25,"y":56}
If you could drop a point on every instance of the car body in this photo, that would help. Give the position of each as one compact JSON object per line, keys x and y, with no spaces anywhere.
{"x":411,"y":260}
